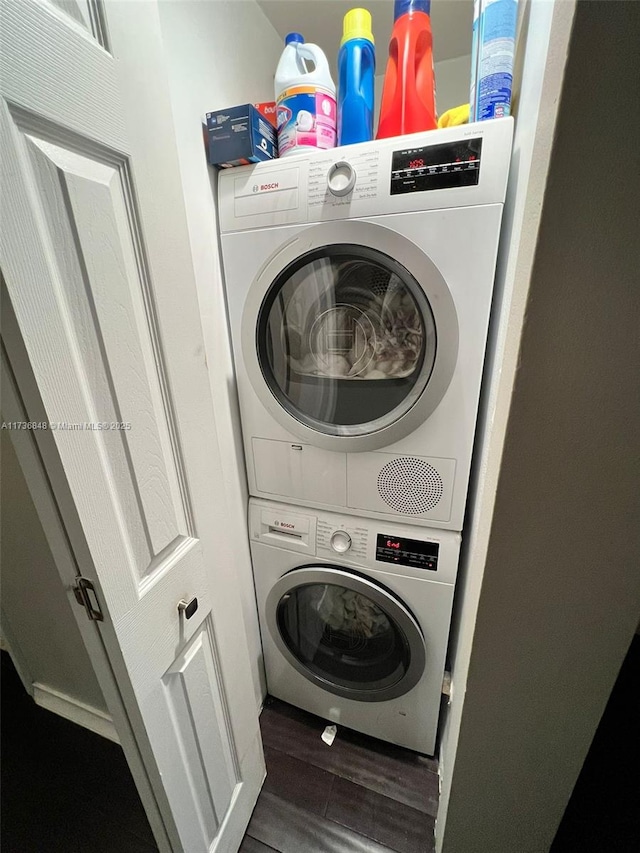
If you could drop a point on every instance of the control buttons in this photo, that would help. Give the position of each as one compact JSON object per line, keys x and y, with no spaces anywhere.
{"x":341,"y":541}
{"x":341,"y":178}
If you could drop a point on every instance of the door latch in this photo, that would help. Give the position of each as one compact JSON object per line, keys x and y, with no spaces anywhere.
{"x":86,"y":595}
{"x":188,"y":607}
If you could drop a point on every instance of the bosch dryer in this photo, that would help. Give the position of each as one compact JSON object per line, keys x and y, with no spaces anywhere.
{"x":359,"y":284}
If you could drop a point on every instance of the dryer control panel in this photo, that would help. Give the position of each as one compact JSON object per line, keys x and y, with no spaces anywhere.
{"x":446,"y":168}
{"x":436,"y":167}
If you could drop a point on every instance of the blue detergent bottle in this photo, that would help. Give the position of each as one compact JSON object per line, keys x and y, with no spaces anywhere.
{"x":356,"y":72}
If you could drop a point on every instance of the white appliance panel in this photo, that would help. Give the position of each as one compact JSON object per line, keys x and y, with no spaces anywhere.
{"x":300,"y":471}
{"x":413,"y":486}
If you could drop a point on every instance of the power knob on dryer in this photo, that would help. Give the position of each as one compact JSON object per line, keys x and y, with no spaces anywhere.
{"x":341,"y":178}
{"x":341,"y":541}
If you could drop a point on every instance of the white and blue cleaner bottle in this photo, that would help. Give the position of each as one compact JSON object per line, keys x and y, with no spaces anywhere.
{"x":305,"y":98}
{"x":492,"y":52}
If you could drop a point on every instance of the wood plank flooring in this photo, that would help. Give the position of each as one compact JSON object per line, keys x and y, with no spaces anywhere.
{"x":359,"y":795}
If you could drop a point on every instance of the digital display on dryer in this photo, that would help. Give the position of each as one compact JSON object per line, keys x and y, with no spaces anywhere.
{"x":407,"y":552}
{"x":436,"y":167}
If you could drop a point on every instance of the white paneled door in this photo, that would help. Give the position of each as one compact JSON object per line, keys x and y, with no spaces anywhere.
{"x":97,"y":266}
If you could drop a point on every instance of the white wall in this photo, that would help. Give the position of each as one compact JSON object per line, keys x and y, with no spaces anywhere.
{"x":38,"y":623}
{"x":218,"y":54}
{"x":452,"y":82}
{"x":550,"y":591}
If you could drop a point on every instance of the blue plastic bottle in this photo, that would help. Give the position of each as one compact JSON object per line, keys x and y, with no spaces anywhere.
{"x":356,"y":72}
{"x":492,"y":56}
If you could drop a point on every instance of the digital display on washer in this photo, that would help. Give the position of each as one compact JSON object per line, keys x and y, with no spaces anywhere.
{"x":407,"y":552}
{"x":436,"y":167}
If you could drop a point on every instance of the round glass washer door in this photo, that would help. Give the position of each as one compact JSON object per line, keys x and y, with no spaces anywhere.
{"x":354,"y":343}
{"x":346,"y":633}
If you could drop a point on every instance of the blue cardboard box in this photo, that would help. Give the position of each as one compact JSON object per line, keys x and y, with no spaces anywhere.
{"x":242,"y":135}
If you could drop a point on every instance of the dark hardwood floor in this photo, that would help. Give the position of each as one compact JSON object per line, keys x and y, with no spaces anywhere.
{"x":66,"y":790}
{"x":359,"y":795}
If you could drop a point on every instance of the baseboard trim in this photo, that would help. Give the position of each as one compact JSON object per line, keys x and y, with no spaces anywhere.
{"x":71,"y":709}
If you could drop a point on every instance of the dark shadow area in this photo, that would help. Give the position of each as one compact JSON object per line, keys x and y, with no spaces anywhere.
{"x":64,"y":788}
{"x":603,"y":813}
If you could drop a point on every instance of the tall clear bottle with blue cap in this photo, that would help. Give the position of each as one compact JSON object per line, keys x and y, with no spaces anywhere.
{"x":356,"y":74}
{"x":305,"y":98}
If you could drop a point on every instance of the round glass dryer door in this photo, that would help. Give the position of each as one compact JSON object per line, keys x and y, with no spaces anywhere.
{"x":346,"y":633}
{"x":346,"y":340}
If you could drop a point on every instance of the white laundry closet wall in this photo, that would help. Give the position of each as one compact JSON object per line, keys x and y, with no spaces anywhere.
{"x":219,"y":54}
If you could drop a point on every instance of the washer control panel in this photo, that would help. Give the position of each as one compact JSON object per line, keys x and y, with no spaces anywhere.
{"x":388,"y":547}
{"x":417,"y":553}
{"x":338,"y":540}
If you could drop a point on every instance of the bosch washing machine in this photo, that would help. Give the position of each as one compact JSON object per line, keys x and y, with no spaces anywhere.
{"x":354,"y":616}
{"x":359,"y":284}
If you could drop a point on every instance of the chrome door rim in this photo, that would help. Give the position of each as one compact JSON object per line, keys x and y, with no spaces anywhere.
{"x":389,"y":604}
{"x":426,"y":275}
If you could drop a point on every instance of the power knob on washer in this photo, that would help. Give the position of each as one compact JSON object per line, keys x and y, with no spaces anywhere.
{"x":341,"y":178}
{"x":341,"y":541}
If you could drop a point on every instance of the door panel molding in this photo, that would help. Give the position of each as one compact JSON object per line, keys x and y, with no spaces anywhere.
{"x":203,"y":745}
{"x":86,"y":102}
{"x":130,"y":361}
{"x":88,"y":14}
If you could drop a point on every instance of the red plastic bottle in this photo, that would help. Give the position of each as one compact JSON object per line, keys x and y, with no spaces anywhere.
{"x":408,"y":94}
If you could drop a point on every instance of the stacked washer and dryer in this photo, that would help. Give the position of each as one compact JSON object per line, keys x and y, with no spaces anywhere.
{"x":359,"y":284}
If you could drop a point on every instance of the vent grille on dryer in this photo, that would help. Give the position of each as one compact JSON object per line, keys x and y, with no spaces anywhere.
{"x":410,"y":485}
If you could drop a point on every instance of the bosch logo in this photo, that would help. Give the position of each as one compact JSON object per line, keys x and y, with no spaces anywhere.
{"x":285,"y":524}
{"x":255,"y":188}
{"x":269,"y":186}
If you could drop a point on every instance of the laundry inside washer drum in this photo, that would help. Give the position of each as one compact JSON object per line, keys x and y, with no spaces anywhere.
{"x":342,"y":635}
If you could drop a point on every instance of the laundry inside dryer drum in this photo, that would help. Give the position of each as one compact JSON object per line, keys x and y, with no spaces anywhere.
{"x":346,"y":340}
